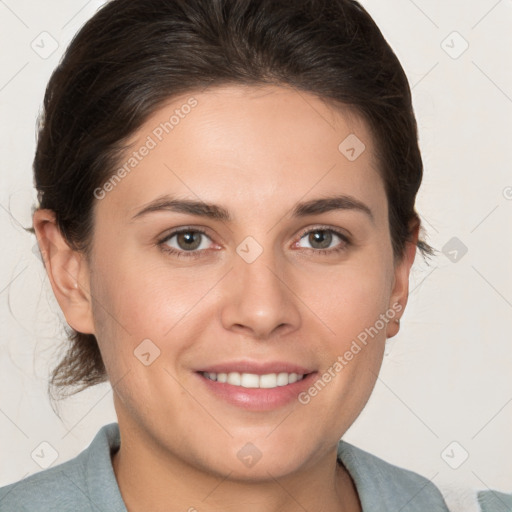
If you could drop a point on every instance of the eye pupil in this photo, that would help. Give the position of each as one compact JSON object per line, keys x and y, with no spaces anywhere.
{"x":191,"y":239}
{"x":321,"y":236}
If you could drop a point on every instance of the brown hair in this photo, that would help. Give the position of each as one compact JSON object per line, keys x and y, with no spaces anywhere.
{"x":134,"y":55}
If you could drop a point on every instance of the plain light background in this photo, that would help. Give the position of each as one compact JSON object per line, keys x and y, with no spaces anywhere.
{"x":443,"y":403}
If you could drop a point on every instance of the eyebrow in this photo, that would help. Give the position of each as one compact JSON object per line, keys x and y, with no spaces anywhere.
{"x":217,"y":212}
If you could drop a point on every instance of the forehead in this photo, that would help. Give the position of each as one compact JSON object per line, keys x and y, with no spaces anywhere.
{"x":277,"y":142}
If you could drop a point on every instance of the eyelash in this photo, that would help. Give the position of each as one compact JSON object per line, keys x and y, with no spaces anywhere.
{"x":198,"y":254}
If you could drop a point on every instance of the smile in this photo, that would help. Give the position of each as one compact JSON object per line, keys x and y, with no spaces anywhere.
{"x":252,"y":380}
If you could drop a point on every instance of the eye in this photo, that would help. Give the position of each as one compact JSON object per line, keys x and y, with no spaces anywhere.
{"x":193,"y":242}
{"x":321,"y":239}
{"x":185,"y":242}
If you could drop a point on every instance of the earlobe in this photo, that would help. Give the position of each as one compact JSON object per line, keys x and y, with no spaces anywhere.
{"x":67,"y":271}
{"x":400,"y":292}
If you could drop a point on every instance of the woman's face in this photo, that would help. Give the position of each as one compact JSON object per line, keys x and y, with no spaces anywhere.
{"x":283,"y":266}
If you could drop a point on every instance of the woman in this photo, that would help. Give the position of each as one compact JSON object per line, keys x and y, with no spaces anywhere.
{"x":227,"y":218}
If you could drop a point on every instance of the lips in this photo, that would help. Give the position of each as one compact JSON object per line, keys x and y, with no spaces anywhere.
{"x":253,"y":385}
{"x":256,"y":367}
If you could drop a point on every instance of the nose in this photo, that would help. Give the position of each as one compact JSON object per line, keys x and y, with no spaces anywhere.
{"x":258,"y":299}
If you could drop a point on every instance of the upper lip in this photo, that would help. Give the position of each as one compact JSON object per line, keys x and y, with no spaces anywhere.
{"x":256,"y":367}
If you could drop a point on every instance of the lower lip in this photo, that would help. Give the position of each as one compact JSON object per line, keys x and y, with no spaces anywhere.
{"x":257,"y":399}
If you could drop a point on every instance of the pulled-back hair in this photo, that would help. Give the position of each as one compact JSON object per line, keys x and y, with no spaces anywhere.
{"x":133,"y":56}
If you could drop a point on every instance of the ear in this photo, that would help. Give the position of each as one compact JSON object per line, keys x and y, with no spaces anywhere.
{"x":400,"y":292}
{"x":67,"y":271}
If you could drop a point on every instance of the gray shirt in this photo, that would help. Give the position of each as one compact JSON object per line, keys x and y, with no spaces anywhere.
{"x":493,"y":501}
{"x":87,"y":483}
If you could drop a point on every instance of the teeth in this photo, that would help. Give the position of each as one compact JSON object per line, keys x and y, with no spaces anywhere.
{"x":233,"y":378}
{"x":251,"y":380}
{"x":268,"y":381}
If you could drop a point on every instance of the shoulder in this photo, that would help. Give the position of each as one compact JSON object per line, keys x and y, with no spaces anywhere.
{"x":385,"y":487}
{"x":78,"y":485}
{"x":57,"y":488}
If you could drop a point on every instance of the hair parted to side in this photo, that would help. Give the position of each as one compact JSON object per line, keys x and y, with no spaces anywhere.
{"x":133,"y":56}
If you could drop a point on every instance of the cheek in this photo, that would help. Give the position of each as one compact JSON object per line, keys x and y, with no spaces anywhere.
{"x":146,"y":299}
{"x":351,"y":302}
{"x":138,"y":301}
{"x":349,"y":298}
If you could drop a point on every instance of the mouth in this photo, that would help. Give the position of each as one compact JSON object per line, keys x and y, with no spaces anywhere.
{"x":253,"y":380}
{"x":254,"y":386}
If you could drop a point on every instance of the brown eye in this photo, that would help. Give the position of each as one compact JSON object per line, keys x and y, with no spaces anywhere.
{"x":321,"y":237}
{"x":184,"y":241}
{"x":188,"y":240}
{"x":324,"y":240}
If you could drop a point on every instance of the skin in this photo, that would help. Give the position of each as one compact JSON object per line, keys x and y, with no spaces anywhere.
{"x":257,"y":152}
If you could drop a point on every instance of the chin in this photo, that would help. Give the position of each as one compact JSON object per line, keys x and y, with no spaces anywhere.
{"x":257,"y":461}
